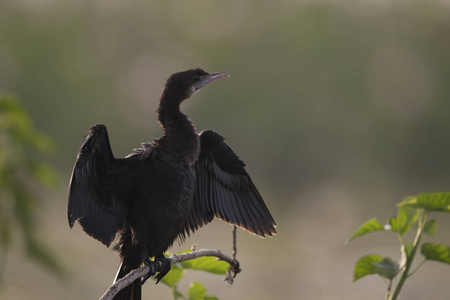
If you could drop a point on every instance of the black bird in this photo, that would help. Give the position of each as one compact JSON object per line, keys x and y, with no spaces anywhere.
{"x":164,"y":190}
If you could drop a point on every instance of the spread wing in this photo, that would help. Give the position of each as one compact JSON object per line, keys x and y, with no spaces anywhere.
{"x":225,"y":190}
{"x":93,"y":188}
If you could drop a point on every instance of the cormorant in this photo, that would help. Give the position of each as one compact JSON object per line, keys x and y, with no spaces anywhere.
{"x":164,"y":190}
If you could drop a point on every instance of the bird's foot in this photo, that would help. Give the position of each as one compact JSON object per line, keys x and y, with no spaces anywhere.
{"x":163,"y":263}
{"x":152,"y":266}
{"x":165,"y":268}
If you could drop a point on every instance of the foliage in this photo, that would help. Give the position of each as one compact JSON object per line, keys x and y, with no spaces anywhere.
{"x":413,"y":212}
{"x":20,"y":170}
{"x":196,"y":291}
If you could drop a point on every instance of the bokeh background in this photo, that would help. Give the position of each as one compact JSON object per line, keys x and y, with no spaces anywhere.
{"x":339,"y":108}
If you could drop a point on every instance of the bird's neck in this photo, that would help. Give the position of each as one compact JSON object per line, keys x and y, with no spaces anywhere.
{"x":179,"y":133}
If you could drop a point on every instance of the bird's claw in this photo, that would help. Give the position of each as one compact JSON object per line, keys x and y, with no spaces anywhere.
{"x":150,"y":273}
{"x":165,"y":268}
{"x":165,"y":264}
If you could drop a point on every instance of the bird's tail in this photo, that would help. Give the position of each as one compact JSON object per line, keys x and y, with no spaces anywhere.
{"x":130,"y":261}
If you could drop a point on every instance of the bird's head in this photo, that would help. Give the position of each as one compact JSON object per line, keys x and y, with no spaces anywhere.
{"x":183,"y":85}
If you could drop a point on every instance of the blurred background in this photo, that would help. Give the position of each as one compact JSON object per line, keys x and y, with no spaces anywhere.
{"x":339,"y":108}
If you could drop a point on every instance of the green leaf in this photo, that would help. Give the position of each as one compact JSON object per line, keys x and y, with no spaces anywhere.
{"x":429,"y":201}
{"x":430,"y":227}
{"x":206,"y":263}
{"x":408,"y":199}
{"x":406,"y":216}
{"x":393,"y":223}
{"x":175,"y":274}
{"x":364,"y":266}
{"x":408,"y":249}
{"x":402,"y":222}
{"x":386,"y":268}
{"x":369,"y":226}
{"x":436,"y":252}
{"x":198,"y":292}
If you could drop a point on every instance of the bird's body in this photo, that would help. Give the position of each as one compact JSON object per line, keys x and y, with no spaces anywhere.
{"x":164,"y":190}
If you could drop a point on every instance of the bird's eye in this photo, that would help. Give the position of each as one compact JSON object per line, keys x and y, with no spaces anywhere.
{"x":197,"y":78}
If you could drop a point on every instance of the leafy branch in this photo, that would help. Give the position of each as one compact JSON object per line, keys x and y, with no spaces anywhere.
{"x":203,"y":260}
{"x":198,"y":260}
{"x":413,"y":212}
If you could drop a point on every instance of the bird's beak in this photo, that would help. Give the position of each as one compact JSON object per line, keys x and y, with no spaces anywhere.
{"x":210,"y":78}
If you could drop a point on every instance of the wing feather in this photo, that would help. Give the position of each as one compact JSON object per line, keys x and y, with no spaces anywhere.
{"x":225,"y":190}
{"x":92,"y":188}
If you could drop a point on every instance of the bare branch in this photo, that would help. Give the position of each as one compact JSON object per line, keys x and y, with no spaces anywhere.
{"x":142,"y":271}
{"x":232,"y":270}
